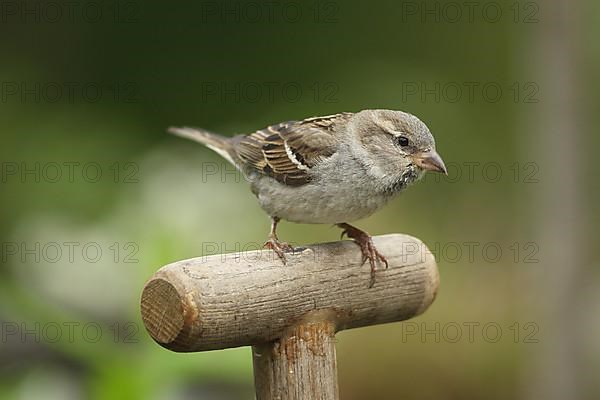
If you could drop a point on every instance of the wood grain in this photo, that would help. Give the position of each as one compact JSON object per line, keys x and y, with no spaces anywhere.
{"x":299,"y":365}
{"x":251,"y":298}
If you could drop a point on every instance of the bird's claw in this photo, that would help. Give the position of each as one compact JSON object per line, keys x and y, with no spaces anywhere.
{"x":368,"y":249}
{"x":279,"y":248}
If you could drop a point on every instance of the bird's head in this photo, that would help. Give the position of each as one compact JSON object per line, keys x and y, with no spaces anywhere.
{"x":397,"y":146}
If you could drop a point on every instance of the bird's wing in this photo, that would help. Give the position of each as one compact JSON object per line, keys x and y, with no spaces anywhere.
{"x":287,"y":151}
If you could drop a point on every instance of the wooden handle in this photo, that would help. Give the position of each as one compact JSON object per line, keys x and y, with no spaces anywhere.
{"x":299,"y":365}
{"x":251,"y":298}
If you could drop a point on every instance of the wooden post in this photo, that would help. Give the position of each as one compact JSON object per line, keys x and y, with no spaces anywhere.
{"x":288,"y":313}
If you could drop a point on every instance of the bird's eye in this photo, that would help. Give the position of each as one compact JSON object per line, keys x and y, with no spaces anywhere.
{"x":401,"y":141}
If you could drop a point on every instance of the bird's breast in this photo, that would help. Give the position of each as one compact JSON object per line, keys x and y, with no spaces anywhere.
{"x":331,"y":200}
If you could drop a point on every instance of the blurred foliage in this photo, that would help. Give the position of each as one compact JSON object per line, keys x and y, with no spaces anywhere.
{"x":156,"y":67}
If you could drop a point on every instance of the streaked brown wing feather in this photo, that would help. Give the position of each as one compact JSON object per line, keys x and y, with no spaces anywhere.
{"x":287,"y":151}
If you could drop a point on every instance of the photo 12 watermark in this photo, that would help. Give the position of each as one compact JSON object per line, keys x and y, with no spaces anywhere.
{"x":68,"y":332}
{"x":269,"y":92}
{"x":251,"y":252}
{"x":454,"y":12}
{"x":474,"y":172}
{"x":70,"y":252}
{"x":50,"y":92}
{"x":469,"y":332}
{"x":69,"y":12}
{"x":24,"y":172}
{"x":470,"y":92}
{"x":269,"y":12}
{"x":479,"y":252}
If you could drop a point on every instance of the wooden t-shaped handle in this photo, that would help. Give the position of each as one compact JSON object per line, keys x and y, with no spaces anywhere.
{"x":289,"y":313}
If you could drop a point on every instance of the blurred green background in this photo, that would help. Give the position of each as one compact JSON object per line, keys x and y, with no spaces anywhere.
{"x":96,"y":196}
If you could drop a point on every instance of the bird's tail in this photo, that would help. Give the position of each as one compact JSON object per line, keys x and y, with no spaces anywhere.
{"x":220,"y":144}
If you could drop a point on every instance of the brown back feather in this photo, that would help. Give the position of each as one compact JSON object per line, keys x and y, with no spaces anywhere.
{"x":287,"y":151}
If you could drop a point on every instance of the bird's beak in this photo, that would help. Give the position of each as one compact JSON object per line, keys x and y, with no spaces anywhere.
{"x":430,"y":161}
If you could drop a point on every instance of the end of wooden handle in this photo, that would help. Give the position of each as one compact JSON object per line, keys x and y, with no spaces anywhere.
{"x":163,"y":311}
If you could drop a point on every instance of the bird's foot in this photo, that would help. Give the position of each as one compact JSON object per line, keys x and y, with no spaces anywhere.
{"x":367,"y":247}
{"x":280,"y":248}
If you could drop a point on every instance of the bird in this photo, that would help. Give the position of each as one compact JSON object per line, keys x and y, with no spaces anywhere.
{"x":331,"y":169}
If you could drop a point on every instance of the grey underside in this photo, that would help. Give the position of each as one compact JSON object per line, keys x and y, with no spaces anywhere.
{"x":347,"y":195}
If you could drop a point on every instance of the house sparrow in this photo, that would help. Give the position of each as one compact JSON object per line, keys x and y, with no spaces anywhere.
{"x":330,"y":169}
